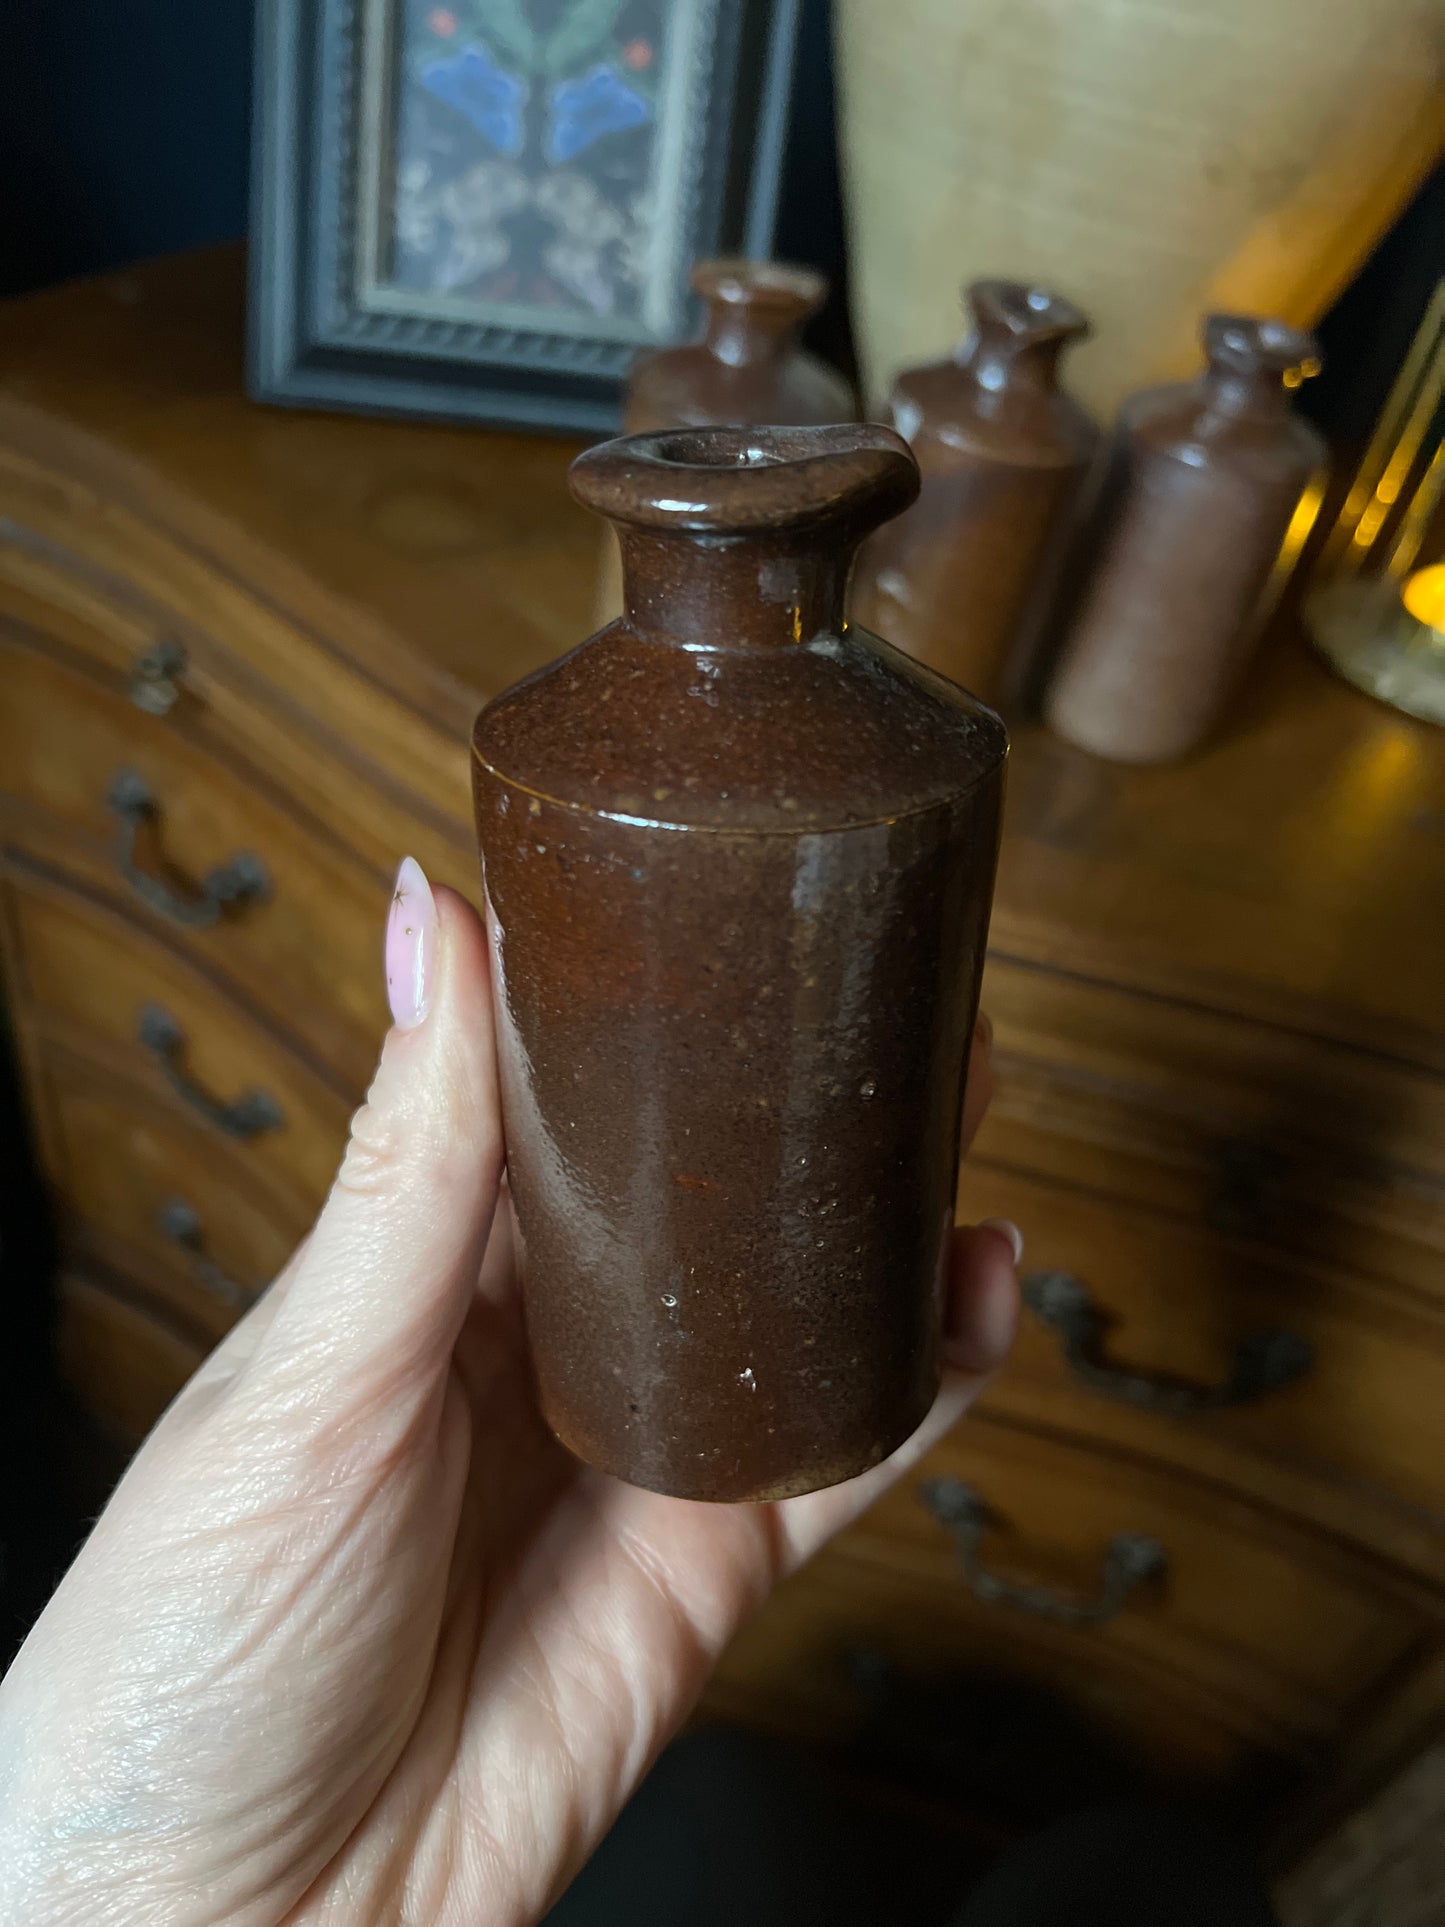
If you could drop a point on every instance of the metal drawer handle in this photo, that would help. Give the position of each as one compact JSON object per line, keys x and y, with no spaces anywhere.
{"x":244,"y":1117}
{"x":180,"y":1223}
{"x":241,"y":880}
{"x":1131,"y":1559}
{"x":1263,"y":1363}
{"x":155,"y":678}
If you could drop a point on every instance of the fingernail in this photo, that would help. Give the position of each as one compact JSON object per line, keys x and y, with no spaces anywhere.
{"x":1010,"y":1230}
{"x":983,"y":1029}
{"x":411,"y":942}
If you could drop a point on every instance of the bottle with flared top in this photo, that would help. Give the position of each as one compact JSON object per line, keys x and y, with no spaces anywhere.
{"x":738,"y":861}
{"x":1203,"y":509}
{"x":967,"y":580}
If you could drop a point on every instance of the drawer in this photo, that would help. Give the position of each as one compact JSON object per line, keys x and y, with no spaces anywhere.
{"x":175,"y":625}
{"x":870,"y":1663}
{"x":1257,"y":1132}
{"x":295,"y":710}
{"x":87,"y":976}
{"x":146,"y":1195}
{"x":125,"y":1364}
{"x":305,"y":945}
{"x":1345,"y":1419}
{"x":1257,"y":1641}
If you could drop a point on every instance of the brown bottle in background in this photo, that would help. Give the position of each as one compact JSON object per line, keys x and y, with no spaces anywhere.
{"x":749,"y":366}
{"x":967,"y":579}
{"x":738,"y":860}
{"x":1203,"y":484}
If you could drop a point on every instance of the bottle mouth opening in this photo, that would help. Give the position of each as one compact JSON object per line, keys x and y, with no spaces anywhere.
{"x":1255,"y":344}
{"x":707,"y":449}
{"x":1026,"y":310}
{"x":776,"y":291}
{"x":747,"y":480}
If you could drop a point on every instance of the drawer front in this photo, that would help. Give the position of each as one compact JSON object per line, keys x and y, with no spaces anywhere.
{"x":172,"y":625}
{"x":1248,"y":1609}
{"x":1014,"y":1560}
{"x":1258,"y":1133}
{"x":1344,"y":1408}
{"x":135,"y":806}
{"x":877,"y":1664}
{"x":150,"y":1198}
{"x":124,"y":1363}
{"x":348,"y":753}
{"x":88,"y":977}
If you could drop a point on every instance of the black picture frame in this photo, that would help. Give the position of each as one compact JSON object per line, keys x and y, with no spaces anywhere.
{"x":325,"y":332}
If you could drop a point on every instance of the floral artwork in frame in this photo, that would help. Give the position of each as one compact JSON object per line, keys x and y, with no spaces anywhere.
{"x":486,"y":207}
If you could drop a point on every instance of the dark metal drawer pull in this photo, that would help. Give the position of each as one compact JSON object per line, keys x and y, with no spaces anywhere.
{"x":155,"y":678}
{"x":182,"y":1226}
{"x":246,"y":1116}
{"x":241,"y":880}
{"x":1263,"y":1363}
{"x":1131,"y":1559}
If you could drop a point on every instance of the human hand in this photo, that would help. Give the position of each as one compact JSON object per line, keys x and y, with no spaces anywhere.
{"x":356,"y":1639}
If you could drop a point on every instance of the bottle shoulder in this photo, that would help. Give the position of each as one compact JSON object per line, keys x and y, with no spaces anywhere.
{"x":1178,"y":423}
{"x":833,"y":734}
{"x":951,"y":420}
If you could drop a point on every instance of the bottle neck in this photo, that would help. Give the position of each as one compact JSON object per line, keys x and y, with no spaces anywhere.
{"x":736,"y":333}
{"x":1257,"y":394}
{"x":997,"y":365}
{"x":746,"y":592}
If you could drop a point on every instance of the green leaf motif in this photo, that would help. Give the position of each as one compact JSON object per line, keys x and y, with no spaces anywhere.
{"x":583,"y":31}
{"x":505,"y":24}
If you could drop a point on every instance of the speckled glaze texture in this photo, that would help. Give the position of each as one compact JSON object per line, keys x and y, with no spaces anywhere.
{"x":967,"y":580}
{"x":738,"y":863}
{"x":1203,"y":482}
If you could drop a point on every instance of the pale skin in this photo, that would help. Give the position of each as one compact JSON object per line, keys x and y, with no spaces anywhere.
{"x":355,"y":1640}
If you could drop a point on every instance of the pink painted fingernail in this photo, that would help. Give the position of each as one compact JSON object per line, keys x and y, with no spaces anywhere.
{"x":1010,"y":1230}
{"x":411,"y":945}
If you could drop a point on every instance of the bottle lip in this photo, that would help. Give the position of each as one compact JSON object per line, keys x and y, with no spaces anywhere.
{"x":748,"y":480}
{"x":1025,"y":311}
{"x":779,"y":291}
{"x":1247,"y":344}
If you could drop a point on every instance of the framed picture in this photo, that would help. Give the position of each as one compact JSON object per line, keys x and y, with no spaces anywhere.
{"x":484,"y":208}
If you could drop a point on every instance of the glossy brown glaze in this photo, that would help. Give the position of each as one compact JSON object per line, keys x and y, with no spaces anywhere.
{"x":967,"y":579}
{"x":1202,"y":486}
{"x":738,"y":862}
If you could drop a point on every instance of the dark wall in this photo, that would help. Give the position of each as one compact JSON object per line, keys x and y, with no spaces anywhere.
{"x":123,"y":131}
{"x":124,"y":128}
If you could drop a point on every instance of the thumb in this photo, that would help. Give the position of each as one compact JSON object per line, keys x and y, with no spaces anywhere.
{"x":373,"y":1303}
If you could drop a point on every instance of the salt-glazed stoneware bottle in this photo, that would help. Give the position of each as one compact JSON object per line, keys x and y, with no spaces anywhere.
{"x":968,"y":579}
{"x":1204,"y":483}
{"x":738,"y":861}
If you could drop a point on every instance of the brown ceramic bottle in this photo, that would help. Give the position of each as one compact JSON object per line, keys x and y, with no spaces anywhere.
{"x":966,"y":580}
{"x":738,"y":861}
{"x":1203,"y":485}
{"x":749,"y":365}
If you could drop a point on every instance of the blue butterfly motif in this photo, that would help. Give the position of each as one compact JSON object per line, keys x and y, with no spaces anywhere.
{"x":584,"y":110}
{"x":491,"y":98}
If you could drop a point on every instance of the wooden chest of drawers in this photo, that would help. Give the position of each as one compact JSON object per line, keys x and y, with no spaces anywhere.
{"x":1200,"y":1521}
